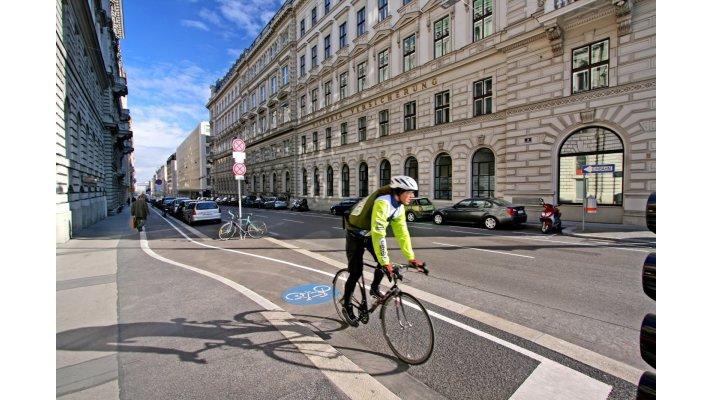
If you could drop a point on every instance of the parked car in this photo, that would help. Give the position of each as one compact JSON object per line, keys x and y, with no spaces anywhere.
{"x":249,"y":201}
{"x":259,"y":202}
{"x":419,"y":208}
{"x":269,"y":202}
{"x":181,"y":206}
{"x":176,"y":203}
{"x":202,"y":211}
{"x":343,"y":206}
{"x":280,"y":203}
{"x":232,"y":201}
{"x":166,"y":203}
{"x":487,"y":210}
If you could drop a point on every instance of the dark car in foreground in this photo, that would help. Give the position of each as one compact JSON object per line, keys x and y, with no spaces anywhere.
{"x":343,"y":206}
{"x":489,"y":211}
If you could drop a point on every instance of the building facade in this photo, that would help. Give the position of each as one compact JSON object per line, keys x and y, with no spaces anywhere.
{"x":511,"y":99}
{"x":171,"y":176}
{"x":192,"y":170}
{"x":93,"y":139}
{"x":255,"y":101}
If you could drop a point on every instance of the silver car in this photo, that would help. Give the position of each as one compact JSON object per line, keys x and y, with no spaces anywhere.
{"x":202,"y":211}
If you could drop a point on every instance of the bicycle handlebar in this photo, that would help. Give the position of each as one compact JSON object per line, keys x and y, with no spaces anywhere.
{"x":397,"y":267}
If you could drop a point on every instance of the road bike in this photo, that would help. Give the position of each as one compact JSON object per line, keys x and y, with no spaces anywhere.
{"x":243,"y":226}
{"x":405,"y":322}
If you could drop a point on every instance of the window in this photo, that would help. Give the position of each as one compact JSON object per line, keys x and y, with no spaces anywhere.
{"x":303,"y":104}
{"x":382,"y":9}
{"x":304,"y":181}
{"x":345,"y":181}
{"x":285,"y":75}
{"x":409,"y":53}
{"x":411,"y":169}
{"x":362,"y":129}
{"x":383,"y":123}
{"x":328,"y":138}
{"x":313,"y":17}
{"x":442,"y":37}
{"x":344,"y":133}
{"x":273,"y":85}
{"x":443,"y":177}
{"x":342,"y":35}
{"x":327,"y":94}
{"x":304,"y":143}
{"x":313,"y":57}
{"x":285,"y":113}
{"x":327,"y":47}
{"x":361,"y":77}
{"x":302,"y":28}
{"x":315,"y":141}
{"x":317,"y":185}
{"x":481,"y":19}
{"x":590,"y":67}
{"x":302,"y":66}
{"x":591,"y":145}
{"x":409,"y":116}
{"x":274,"y":183}
{"x":442,"y":107}
{"x":264,"y":183}
{"x":287,"y":182}
{"x":361,"y":22}
{"x":383,"y":66}
{"x":384,"y":172}
{"x":329,"y":181}
{"x":363,"y":180}
{"x":483,"y":178}
{"x":483,"y":97}
{"x":343,"y":85}
{"x":314,"y":99}
{"x":327,"y":6}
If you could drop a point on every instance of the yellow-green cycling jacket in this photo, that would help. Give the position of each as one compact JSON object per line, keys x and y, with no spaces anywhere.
{"x":372,"y":216}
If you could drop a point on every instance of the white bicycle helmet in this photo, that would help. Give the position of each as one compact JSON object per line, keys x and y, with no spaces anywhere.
{"x":404,"y":182}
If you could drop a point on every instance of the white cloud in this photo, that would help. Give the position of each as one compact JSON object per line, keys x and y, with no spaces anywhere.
{"x":210,"y":16}
{"x":249,"y":15}
{"x":194,"y":24}
{"x":234,"y":52}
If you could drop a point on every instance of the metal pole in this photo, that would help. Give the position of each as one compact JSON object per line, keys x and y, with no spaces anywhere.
{"x":239,"y":197}
{"x":583,"y":209}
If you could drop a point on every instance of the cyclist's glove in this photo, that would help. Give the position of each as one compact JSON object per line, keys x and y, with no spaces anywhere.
{"x":420,"y":265}
{"x":389,"y":270}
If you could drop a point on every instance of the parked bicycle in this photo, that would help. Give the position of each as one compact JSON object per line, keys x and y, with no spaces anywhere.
{"x":245,"y":227}
{"x":405,"y":322}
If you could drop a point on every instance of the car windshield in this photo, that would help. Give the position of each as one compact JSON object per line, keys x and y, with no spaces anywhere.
{"x":208,"y":205}
{"x":500,"y":202}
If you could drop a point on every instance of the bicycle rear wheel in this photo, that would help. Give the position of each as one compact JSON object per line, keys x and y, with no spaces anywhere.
{"x":338,"y":286}
{"x":227,"y":231}
{"x":407,"y":328}
{"x":256,"y":229}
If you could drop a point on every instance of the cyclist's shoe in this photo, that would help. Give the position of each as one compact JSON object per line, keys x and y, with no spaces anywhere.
{"x":377,"y":294}
{"x":348,"y":311}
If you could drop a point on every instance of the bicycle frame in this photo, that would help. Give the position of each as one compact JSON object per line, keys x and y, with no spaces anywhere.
{"x":364,"y":311}
{"x":241,"y":224}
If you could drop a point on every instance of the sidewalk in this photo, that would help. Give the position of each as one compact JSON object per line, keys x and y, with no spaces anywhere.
{"x":87,"y":296}
{"x":594,"y":230}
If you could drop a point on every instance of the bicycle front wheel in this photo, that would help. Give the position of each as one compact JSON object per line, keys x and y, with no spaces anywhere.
{"x":256,"y":229}
{"x":227,"y":231}
{"x":407,"y":328}
{"x":338,"y":286}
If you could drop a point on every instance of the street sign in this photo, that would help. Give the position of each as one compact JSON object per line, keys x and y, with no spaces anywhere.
{"x":238,"y":144}
{"x":239,"y":156}
{"x":239,"y":169}
{"x":159,"y":182}
{"x":599,"y":168}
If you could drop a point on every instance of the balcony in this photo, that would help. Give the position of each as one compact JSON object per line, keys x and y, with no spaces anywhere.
{"x":119,"y":88}
{"x":124,"y":115}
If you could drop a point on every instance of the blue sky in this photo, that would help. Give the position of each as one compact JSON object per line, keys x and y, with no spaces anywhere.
{"x":173,"y":50}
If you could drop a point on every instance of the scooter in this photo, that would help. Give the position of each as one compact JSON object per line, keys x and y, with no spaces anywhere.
{"x":300,"y":205}
{"x":550,"y":217}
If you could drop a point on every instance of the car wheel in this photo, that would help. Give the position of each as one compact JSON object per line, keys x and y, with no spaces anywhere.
{"x":438,"y":219}
{"x":410,"y":217}
{"x":490,"y":222}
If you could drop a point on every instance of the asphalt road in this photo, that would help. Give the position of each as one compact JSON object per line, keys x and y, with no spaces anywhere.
{"x":581,"y":292}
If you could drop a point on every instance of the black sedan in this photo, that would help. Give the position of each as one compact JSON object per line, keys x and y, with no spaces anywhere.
{"x":343,"y":206}
{"x":482,"y":210}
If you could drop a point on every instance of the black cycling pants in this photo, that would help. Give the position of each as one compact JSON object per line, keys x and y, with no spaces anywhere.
{"x":355,"y":246}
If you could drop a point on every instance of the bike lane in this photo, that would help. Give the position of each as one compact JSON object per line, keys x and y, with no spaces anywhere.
{"x":463,"y":363}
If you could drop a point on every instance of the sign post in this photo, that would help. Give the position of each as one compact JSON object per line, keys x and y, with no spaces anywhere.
{"x":239,"y":169}
{"x":592,"y":169}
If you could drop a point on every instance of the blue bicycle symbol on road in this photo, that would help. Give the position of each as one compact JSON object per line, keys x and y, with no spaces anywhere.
{"x":305,"y":295}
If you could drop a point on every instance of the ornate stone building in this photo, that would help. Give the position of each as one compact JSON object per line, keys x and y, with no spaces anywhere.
{"x":93,"y":137}
{"x":475,"y":98}
{"x":255,"y":101}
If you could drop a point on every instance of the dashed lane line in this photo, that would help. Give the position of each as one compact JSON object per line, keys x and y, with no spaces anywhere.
{"x":478,"y":249}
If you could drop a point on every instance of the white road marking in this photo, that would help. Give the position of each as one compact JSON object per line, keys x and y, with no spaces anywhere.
{"x":420,"y":227}
{"x":337,"y":227}
{"x":292,"y":220}
{"x":489,"y":251}
{"x":342,"y":372}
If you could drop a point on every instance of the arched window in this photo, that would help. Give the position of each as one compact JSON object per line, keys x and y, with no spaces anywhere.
{"x":385,"y":172}
{"x":411,"y":169}
{"x":254,"y":184}
{"x":304,"y":181}
{"x":274,"y":182}
{"x":287,"y":182}
{"x":363,"y":180}
{"x":591,"y":146}
{"x":317,"y":186}
{"x":345,"y":181}
{"x":483,"y":173}
{"x":264,"y":183}
{"x":443,"y":177}
{"x":329,"y":181}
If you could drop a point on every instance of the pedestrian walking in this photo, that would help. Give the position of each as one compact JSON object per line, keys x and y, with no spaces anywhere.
{"x":139,"y":212}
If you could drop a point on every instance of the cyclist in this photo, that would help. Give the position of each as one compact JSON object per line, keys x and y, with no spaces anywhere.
{"x":366,"y":230}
